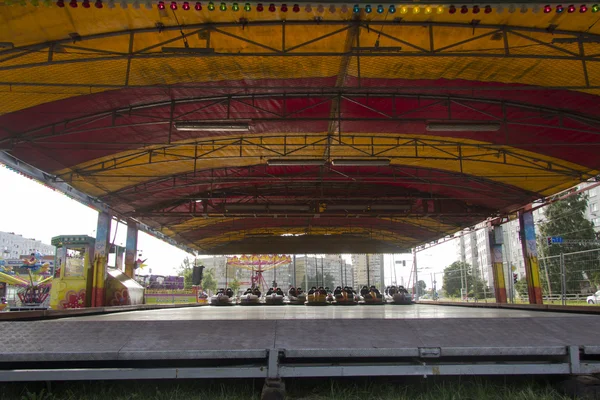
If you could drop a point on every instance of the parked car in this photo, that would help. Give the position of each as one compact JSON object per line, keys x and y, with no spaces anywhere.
{"x":594,"y":299}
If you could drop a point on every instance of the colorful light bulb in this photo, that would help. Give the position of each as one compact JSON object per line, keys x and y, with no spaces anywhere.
{"x":392,"y":9}
{"x":547,"y":9}
{"x":211,"y":6}
{"x":356,"y":9}
{"x":368,"y":9}
{"x":595,"y":8}
{"x":186,"y":5}
{"x":198,"y":6}
{"x":235,"y":7}
{"x":380,"y":9}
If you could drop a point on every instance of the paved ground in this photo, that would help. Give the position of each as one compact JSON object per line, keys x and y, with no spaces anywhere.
{"x":415,"y":311}
{"x":247,"y":332}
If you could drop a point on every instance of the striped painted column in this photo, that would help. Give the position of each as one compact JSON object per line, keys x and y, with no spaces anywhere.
{"x":131,"y":248}
{"x":496,"y":240}
{"x":530,"y":255}
{"x":100,"y":262}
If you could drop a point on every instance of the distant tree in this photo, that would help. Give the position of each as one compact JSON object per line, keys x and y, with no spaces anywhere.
{"x":566,"y":218}
{"x":452,"y":281}
{"x":235,"y":285}
{"x":186,"y":270}
{"x":208,"y":281}
{"x":521,"y":288}
{"x":452,"y":278}
{"x":422,"y":287}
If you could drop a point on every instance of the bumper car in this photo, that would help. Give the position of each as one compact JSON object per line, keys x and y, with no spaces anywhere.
{"x":202,"y":298}
{"x":274,"y":297}
{"x":330,"y":297}
{"x":250,"y":297}
{"x":345,"y":297}
{"x":372,"y":296}
{"x":400,"y":295}
{"x":222,"y":298}
{"x":296,"y":296}
{"x":317,"y":297}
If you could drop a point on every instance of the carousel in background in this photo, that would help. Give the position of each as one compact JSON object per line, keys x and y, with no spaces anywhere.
{"x":258,"y":264}
{"x":32,"y":278}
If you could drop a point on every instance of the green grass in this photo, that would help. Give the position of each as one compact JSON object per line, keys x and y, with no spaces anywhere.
{"x":512,"y":388}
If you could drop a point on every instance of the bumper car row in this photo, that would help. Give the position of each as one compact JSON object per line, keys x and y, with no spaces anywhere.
{"x":315,"y":296}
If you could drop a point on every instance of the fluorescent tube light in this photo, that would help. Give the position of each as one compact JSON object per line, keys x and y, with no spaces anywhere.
{"x":462,"y":127}
{"x":289,"y":207}
{"x":212,"y":126}
{"x":245,"y":207}
{"x":390,"y":207}
{"x":367,"y":162}
{"x":346,"y":207}
{"x":378,"y":49}
{"x":291,"y":161}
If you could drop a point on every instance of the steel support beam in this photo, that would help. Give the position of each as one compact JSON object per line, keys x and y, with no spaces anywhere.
{"x":495,"y":237}
{"x":100,"y":262}
{"x":131,"y":248}
{"x":530,"y":255}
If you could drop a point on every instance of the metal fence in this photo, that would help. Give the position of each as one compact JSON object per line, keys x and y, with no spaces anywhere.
{"x":570,"y":276}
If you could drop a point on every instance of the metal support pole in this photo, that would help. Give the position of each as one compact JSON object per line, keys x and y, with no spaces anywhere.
{"x":306,"y":273}
{"x":316,"y":271}
{"x":100,"y":263}
{"x":530,"y":255}
{"x":416,"y":285}
{"x":294,"y":266}
{"x":463,"y":260}
{"x":131,"y":248}
{"x":368,"y":272}
{"x":341,"y":272}
{"x":322,"y":274}
{"x":563,"y":281}
{"x":497,"y":264}
{"x":345,"y":277}
{"x":382,"y":272}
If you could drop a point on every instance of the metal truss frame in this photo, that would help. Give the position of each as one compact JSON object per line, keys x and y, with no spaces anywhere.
{"x":353,"y":27}
{"x":447,"y":150}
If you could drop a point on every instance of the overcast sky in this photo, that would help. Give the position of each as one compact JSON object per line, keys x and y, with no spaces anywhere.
{"x":35,"y":211}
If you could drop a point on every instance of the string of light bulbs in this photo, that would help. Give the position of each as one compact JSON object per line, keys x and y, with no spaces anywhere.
{"x":320,"y":8}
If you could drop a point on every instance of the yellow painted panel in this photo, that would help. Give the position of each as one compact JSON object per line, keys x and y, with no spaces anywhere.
{"x":477,"y":162}
{"x":504,"y":70}
{"x":194,"y":69}
{"x":377,"y":234}
{"x":198,"y":223}
{"x":85,"y":73}
{"x":593,"y":69}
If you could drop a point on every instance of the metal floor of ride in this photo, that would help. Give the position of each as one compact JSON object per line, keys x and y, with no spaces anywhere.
{"x":263,"y":312}
{"x":295,"y":341}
